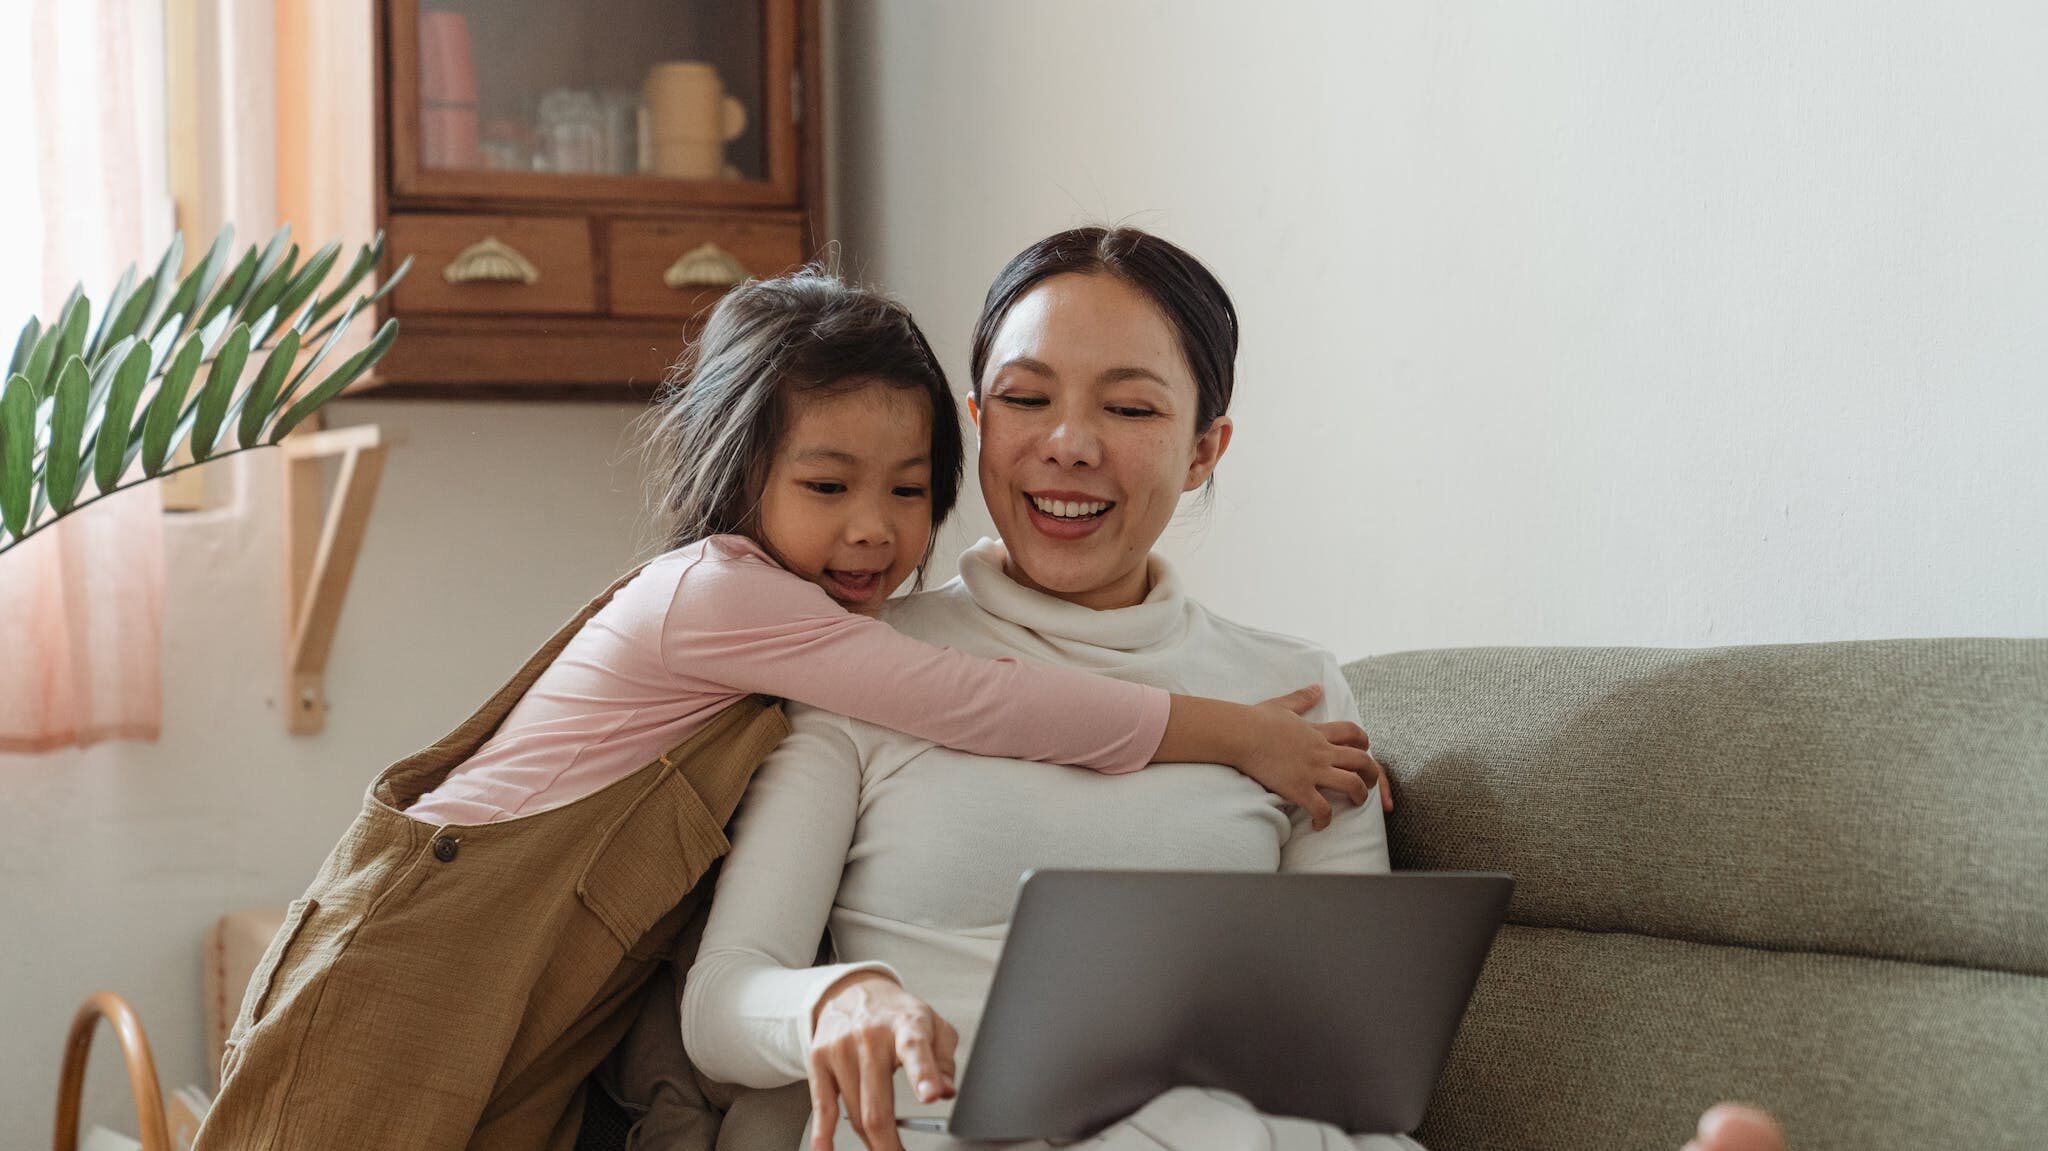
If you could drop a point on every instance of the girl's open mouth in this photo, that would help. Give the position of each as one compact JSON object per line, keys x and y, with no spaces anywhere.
{"x":853,"y":586}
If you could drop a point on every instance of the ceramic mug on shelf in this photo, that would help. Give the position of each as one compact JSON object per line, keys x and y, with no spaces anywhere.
{"x":691,"y":117}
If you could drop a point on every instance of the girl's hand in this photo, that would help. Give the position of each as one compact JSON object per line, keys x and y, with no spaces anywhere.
{"x":1297,"y":760}
{"x":866,"y":1027}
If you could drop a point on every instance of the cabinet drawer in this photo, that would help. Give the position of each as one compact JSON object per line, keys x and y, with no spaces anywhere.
{"x":494,"y":264}
{"x":671,"y":268}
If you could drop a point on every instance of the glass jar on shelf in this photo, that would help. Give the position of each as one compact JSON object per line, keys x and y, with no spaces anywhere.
{"x":572,"y":131}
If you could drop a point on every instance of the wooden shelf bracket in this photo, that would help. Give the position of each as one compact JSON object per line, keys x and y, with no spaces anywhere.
{"x":320,"y":554}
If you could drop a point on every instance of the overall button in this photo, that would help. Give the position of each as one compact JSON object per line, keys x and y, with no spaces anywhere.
{"x":444,"y":848}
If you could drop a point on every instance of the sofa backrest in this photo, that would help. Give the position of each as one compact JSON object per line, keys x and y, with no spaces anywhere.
{"x":1813,"y":877}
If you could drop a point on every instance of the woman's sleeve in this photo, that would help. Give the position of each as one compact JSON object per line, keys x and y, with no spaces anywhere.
{"x":1356,"y":839}
{"x":751,"y":627}
{"x":747,"y":1001}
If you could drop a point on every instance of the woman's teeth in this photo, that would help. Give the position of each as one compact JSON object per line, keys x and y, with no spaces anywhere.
{"x":1069,"y":509}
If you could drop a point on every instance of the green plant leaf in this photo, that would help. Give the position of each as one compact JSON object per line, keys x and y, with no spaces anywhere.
{"x":261,"y":325}
{"x":306,"y":370}
{"x":343,"y":376}
{"x":274,"y":250}
{"x":365,"y":260}
{"x":73,"y":321}
{"x":210,"y":334}
{"x":199,"y":281}
{"x":164,"y":282}
{"x":39,"y":361}
{"x":271,"y":288}
{"x":160,"y":347}
{"x":17,"y":453}
{"x":168,"y":405}
{"x":229,"y":297}
{"x":130,"y":320}
{"x":116,"y":301}
{"x":103,"y":385}
{"x":308,"y":278}
{"x":110,"y":445}
{"x":212,"y":406}
{"x":42,"y":424}
{"x":277,"y":257}
{"x":36,"y":509}
{"x":382,"y":291}
{"x":263,"y":394}
{"x":61,"y":479}
{"x":24,"y":345}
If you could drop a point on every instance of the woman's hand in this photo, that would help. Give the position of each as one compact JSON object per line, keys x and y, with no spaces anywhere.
{"x":1297,"y":760}
{"x":866,"y":1027}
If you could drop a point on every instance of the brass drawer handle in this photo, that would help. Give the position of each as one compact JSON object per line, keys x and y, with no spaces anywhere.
{"x":705,"y":266}
{"x":490,"y":261}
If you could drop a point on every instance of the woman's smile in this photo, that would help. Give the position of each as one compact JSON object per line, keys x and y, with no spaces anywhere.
{"x":1066,"y":515}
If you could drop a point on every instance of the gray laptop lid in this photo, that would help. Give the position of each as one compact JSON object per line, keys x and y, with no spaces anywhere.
{"x":1331,"y":997}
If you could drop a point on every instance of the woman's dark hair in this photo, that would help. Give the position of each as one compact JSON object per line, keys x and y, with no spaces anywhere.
{"x":1188,"y":293}
{"x":720,"y":417}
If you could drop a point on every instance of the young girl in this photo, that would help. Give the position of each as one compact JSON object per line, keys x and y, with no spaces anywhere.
{"x":477,"y":943}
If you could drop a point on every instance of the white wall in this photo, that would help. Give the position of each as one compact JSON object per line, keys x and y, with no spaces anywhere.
{"x":1601,"y":323}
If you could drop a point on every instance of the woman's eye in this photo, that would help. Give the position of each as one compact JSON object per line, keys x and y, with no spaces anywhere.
{"x":910,"y":491}
{"x":825,"y":487}
{"x":1022,"y":401}
{"x":1132,"y":412}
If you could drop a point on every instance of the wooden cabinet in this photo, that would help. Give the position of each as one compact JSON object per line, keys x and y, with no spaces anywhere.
{"x":577,"y":181}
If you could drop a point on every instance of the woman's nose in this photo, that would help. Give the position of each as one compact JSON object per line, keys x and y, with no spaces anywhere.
{"x":1073,"y":443}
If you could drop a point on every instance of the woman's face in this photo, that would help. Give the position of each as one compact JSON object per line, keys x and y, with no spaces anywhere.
{"x":1087,"y":426}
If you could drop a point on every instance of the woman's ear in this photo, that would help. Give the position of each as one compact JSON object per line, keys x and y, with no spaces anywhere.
{"x":1209,"y":449}
{"x":974,"y":412}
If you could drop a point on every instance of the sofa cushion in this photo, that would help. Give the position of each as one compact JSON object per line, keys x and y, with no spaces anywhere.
{"x":1580,"y":1041}
{"x":1880,"y":799}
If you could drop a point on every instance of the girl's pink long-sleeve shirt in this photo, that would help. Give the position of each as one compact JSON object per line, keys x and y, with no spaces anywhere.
{"x":705,"y":624}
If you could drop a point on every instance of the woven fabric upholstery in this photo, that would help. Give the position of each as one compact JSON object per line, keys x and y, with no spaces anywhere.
{"x":1582,"y":1041}
{"x":1813,"y":877}
{"x":1876,"y":798}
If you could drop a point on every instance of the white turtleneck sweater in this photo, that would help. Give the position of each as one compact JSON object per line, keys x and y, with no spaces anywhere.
{"x":911,"y":853}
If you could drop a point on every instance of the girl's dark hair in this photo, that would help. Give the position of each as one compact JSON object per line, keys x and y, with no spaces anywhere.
{"x":720,"y":417}
{"x":1188,"y":293}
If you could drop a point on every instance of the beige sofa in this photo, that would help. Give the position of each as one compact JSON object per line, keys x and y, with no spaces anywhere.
{"x":1814,"y":877}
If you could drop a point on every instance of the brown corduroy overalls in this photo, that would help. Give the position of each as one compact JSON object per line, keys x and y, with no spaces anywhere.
{"x":448,"y":988}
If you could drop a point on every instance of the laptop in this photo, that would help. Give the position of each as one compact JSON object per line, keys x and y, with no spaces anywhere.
{"x":1329,"y":997}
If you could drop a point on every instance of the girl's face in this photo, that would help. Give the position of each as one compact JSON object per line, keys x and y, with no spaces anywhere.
{"x":848,"y":501}
{"x":1087,"y":424}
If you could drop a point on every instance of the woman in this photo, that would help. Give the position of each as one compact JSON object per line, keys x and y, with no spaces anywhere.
{"x":1102,"y":368}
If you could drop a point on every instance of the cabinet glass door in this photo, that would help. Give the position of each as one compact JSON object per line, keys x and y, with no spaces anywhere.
{"x":669,"y":101}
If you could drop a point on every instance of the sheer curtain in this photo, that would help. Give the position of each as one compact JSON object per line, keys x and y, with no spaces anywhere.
{"x":82,"y":112}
